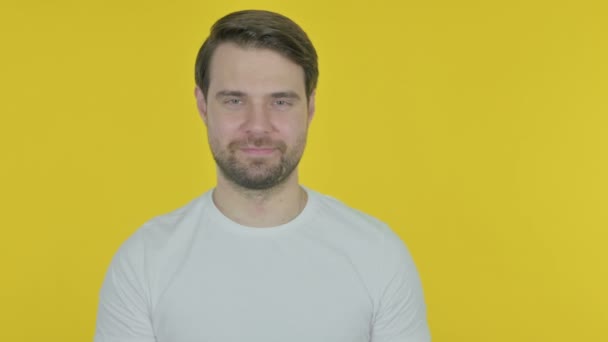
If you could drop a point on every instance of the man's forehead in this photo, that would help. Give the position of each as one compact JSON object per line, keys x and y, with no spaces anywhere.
{"x":233,"y":67}
{"x":231,"y":56}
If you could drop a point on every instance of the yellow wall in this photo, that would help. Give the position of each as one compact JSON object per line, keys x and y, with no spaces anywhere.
{"x":476,"y":129}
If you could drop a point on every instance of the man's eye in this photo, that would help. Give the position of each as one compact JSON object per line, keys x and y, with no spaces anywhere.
{"x":281,"y":102}
{"x":234,"y":101}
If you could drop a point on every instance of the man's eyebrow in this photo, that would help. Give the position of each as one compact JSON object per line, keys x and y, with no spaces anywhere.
{"x":285,"y":94}
{"x":224,"y":93}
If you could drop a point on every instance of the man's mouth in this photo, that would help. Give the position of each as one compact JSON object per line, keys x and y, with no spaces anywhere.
{"x":258,"y":151}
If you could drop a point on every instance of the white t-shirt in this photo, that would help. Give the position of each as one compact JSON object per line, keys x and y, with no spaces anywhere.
{"x":331,"y":274}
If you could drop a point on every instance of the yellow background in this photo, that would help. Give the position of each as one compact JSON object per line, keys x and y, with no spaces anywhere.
{"x":476,"y":129}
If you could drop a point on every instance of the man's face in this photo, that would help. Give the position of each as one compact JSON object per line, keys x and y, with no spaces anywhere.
{"x":257,"y":115}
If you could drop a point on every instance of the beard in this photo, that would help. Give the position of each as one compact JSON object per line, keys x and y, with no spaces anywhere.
{"x":258,"y":173}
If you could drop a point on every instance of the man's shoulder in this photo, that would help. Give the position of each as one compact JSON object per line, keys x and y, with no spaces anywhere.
{"x":178,"y":221}
{"x":162,"y":239}
{"x":348,"y":220}
{"x":337,"y":209}
{"x":174,"y":227}
{"x":373,"y":248}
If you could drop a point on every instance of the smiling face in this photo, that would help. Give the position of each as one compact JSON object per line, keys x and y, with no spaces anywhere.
{"x":257,"y":115}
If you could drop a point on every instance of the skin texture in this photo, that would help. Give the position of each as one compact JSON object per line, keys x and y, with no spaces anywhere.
{"x":257,"y":118}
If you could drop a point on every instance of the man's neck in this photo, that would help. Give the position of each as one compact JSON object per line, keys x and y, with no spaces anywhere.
{"x":260,"y":208}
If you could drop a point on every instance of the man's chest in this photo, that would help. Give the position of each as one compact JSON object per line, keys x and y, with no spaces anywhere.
{"x":264,"y":300}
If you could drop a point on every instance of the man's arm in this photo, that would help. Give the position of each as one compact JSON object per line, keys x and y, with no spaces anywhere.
{"x":123,"y":313}
{"x":401,"y":313}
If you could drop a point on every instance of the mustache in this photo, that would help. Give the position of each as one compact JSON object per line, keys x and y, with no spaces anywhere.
{"x":261,"y":142}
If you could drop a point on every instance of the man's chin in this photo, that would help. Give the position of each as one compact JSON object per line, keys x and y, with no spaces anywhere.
{"x":257,"y":184}
{"x":254,"y":173}
{"x":252,"y":176}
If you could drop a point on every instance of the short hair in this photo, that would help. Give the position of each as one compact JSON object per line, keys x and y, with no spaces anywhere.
{"x":264,"y":30}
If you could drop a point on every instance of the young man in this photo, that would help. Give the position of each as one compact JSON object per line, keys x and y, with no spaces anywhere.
{"x":260,"y":258}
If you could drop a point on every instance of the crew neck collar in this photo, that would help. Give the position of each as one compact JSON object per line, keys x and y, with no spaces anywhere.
{"x":226,"y":223}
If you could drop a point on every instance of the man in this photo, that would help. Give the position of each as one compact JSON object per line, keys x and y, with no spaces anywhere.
{"x":260,"y":258}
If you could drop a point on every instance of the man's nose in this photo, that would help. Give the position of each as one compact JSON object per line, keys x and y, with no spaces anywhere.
{"x":257,"y":119}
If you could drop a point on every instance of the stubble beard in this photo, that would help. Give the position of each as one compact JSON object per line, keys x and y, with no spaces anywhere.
{"x":258,"y":173}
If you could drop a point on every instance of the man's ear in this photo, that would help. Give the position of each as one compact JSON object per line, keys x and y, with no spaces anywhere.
{"x":201,"y":103}
{"x":311,"y":105}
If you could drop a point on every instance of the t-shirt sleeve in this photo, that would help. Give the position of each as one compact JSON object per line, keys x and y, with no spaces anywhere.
{"x":401,"y":313}
{"x":123,"y":312}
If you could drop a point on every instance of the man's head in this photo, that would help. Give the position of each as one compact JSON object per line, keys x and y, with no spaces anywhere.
{"x":256,"y":76}
{"x":262,"y":30}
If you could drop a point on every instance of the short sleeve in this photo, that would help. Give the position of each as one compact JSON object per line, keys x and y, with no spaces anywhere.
{"x":401,"y":313}
{"x":123,"y":312}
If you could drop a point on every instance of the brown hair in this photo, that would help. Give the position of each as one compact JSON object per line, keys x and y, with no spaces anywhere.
{"x":259,"y":29}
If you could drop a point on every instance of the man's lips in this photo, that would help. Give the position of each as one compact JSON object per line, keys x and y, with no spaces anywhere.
{"x":258,"y":150}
